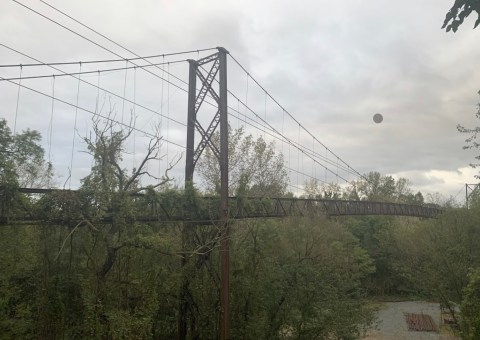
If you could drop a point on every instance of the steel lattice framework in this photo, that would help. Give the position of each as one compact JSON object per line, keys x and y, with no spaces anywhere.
{"x":238,"y":207}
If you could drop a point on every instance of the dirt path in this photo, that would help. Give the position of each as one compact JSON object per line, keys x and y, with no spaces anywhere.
{"x":392,"y":325}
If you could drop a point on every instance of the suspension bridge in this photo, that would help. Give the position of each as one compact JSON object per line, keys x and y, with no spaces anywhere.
{"x":207,"y":112}
{"x":184,"y":101}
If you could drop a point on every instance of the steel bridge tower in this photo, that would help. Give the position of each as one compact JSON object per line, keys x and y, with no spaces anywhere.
{"x":217,"y":64}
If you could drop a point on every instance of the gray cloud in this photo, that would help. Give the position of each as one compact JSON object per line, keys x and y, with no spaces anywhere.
{"x":332,"y":65}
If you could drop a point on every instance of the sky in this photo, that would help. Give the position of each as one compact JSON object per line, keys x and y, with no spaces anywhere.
{"x":332,"y":65}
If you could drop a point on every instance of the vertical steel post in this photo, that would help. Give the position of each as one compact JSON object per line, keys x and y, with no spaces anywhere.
{"x":225,"y":237}
{"x":191,"y":118}
{"x":189,"y":167}
{"x":466,"y":195}
{"x":192,"y":124}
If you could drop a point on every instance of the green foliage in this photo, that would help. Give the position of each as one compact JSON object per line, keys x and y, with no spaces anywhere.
{"x":460,"y":10}
{"x":470,"y":307}
{"x":471,"y":141}
{"x":314,"y":189}
{"x":441,"y":253}
{"x":22,"y":158}
{"x":95,"y":271}
{"x":253,"y":164}
{"x":18,"y":281}
{"x":21,"y":165}
{"x":376,"y":187}
{"x":298,"y":279}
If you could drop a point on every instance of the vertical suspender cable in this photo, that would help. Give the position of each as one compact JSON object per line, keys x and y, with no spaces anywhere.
{"x":246,"y":104}
{"x":289,"y":162}
{"x":124,"y":87}
{"x":98,"y":92}
{"x":298,"y":157}
{"x":51,"y":130}
{"x":326,"y":157}
{"x":238,"y":114}
{"x":265,"y":116}
{"x":168,"y":109}
{"x":161,"y":118}
{"x":134,"y":115}
{"x":314,"y":168}
{"x":283,"y":126}
{"x":74,"y":128}
{"x":303,"y":173}
{"x":337,"y":170}
{"x":18,"y":100}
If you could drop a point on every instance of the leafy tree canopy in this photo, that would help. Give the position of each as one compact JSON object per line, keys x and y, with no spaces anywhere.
{"x":460,"y":10}
{"x":254,"y":166}
{"x":472,"y":141}
{"x":22,"y":158}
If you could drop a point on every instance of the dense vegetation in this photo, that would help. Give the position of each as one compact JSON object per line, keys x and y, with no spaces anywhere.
{"x":90,"y":269}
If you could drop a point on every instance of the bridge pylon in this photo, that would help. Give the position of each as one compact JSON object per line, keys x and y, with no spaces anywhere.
{"x":206,"y":71}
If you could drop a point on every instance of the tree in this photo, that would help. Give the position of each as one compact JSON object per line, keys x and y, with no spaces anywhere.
{"x":107,"y":207}
{"x":470,"y":307}
{"x":22,"y":164}
{"x":376,"y":187}
{"x":299,"y":278}
{"x":22,"y":158}
{"x":460,"y":10}
{"x":376,"y":234}
{"x":441,"y":255}
{"x":253,"y":165}
{"x":472,"y":141}
{"x":314,"y":189}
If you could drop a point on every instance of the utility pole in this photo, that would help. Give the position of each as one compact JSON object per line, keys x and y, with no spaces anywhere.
{"x":218,"y":66}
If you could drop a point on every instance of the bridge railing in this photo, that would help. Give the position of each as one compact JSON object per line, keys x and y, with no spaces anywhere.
{"x":66,"y":206}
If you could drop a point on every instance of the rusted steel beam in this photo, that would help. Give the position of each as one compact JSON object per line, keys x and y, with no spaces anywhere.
{"x":254,"y":207}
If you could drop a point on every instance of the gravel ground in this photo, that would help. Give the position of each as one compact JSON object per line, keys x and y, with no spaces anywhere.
{"x":392,"y":324}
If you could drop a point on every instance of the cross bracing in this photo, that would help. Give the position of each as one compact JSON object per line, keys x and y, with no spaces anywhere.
{"x":205,"y":212}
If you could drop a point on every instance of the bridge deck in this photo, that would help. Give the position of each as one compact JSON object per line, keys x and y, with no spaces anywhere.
{"x":64,"y":207}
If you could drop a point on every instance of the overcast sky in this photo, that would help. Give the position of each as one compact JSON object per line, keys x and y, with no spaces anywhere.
{"x":331,"y":64}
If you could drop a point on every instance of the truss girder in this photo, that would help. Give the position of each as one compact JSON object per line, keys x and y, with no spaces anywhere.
{"x":172,"y":210}
{"x":207,"y":138}
{"x":208,"y":59}
{"x":198,"y":99}
{"x":207,"y":85}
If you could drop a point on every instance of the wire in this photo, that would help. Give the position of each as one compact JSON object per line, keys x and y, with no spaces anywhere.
{"x":74,"y":130}
{"x":93,"y":85}
{"x":94,"y":113}
{"x":134,"y":113}
{"x":18,"y":100}
{"x":124,"y":88}
{"x":273,"y":133}
{"x":291,"y":116}
{"x":298,"y":146}
{"x":88,"y":72}
{"x":289,"y":141}
{"x":294,"y":144}
{"x":89,"y":40}
{"x":127,"y":49}
{"x":104,"y":60}
{"x":51,"y":127}
{"x":113,"y":42}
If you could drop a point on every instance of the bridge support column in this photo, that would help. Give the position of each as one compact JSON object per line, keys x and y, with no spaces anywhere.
{"x":225,"y":237}
{"x":218,"y":62}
